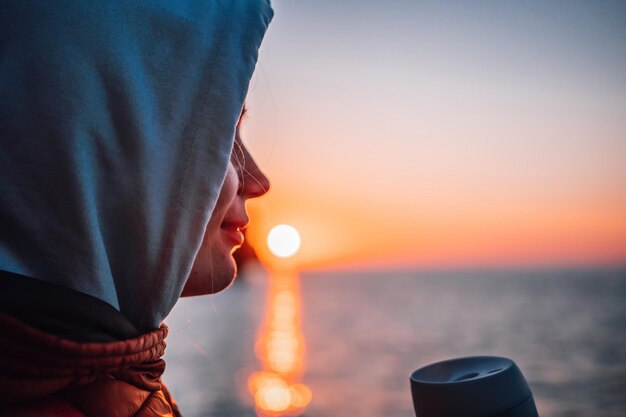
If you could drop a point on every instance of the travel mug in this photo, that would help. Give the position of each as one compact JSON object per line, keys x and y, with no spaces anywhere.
{"x":478,"y":386}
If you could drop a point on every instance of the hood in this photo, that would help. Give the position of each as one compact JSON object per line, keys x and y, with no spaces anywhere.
{"x":117,"y":121}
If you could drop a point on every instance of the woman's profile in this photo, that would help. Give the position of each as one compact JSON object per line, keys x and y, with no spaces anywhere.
{"x":123,"y":182}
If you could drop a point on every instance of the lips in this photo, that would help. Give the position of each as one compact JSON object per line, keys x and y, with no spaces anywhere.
{"x":233,"y":229}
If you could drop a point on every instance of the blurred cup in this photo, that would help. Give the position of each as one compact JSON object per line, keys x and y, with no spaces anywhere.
{"x":479,"y":386}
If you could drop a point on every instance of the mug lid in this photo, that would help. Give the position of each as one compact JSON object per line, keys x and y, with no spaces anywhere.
{"x":470,"y":386}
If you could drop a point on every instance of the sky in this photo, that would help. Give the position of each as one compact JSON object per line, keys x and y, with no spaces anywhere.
{"x":443,"y":134}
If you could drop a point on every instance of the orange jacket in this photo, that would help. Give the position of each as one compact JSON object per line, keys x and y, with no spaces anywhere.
{"x":44,"y":376}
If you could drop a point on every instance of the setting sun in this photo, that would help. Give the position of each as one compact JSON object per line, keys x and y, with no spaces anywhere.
{"x":283,"y":241}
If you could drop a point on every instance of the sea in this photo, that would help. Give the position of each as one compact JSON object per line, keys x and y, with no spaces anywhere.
{"x":364,"y":332}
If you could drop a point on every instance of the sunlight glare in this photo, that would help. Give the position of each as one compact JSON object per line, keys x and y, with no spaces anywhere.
{"x":283,"y":241}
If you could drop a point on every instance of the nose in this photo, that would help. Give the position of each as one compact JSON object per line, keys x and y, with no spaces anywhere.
{"x":255,"y":183}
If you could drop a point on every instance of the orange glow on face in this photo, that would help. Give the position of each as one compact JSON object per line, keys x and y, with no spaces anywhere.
{"x":280,"y":347}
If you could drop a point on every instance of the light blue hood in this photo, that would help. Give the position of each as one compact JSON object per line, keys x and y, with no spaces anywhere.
{"x":117,"y":121}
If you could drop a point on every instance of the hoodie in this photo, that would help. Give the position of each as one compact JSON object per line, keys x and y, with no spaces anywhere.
{"x":117,"y":121}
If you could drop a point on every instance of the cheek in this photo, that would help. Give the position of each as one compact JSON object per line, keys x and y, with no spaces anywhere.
{"x":231,"y":184}
{"x":214,"y":268}
{"x":225,"y":199}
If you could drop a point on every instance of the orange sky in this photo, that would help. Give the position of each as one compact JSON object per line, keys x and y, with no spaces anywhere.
{"x":491,"y":138}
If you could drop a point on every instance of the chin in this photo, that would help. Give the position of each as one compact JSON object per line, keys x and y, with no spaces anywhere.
{"x":218,"y":282}
{"x":211,"y":280}
{"x":223,"y":282}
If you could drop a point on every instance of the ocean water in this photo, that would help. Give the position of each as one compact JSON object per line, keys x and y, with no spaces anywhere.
{"x":365,"y":332}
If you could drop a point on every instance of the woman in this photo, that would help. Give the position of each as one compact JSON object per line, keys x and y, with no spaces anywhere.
{"x":120,"y":190}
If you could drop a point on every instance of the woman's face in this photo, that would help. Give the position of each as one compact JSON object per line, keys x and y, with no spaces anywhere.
{"x":214,"y":267}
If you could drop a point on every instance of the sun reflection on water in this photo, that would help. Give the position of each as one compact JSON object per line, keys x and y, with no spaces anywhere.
{"x":277,"y":389}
